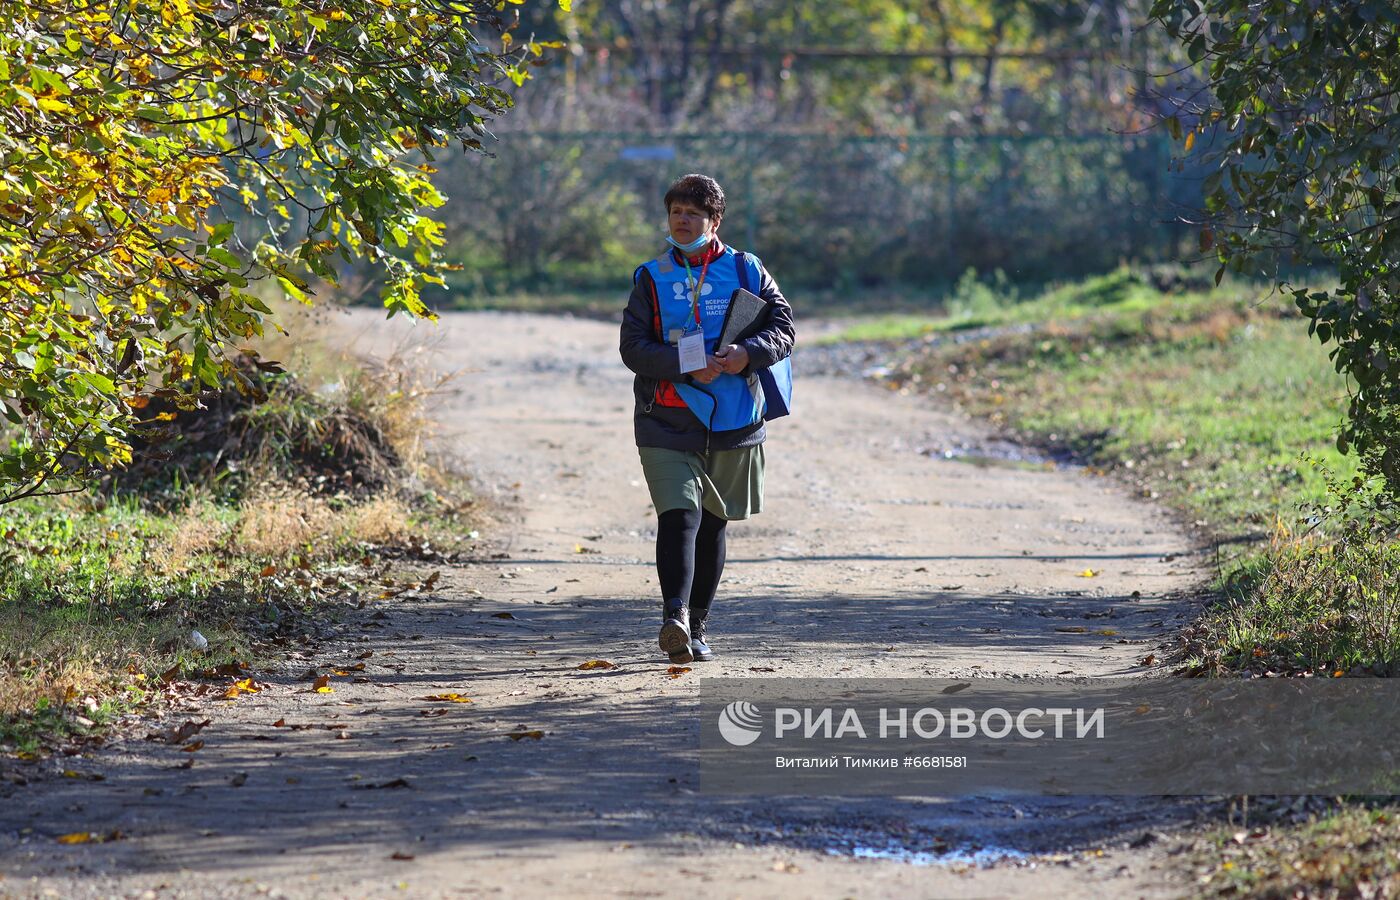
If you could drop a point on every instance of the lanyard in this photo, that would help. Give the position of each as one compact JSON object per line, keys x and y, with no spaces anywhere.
{"x":690,"y":280}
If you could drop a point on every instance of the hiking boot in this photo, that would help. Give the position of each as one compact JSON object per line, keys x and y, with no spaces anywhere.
{"x":675,"y":632}
{"x":698,"y":648}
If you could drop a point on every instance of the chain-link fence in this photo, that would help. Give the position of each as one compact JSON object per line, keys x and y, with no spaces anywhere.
{"x":560,"y":210}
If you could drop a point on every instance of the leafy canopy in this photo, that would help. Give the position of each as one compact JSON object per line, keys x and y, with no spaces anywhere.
{"x":158,"y":156}
{"x":1303,"y":126}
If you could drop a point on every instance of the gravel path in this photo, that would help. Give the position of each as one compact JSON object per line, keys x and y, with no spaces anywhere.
{"x":877,"y":555}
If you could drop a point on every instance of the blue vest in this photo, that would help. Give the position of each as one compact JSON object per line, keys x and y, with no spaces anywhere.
{"x":730,"y":401}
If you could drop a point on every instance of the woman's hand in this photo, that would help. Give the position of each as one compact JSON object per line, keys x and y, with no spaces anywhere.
{"x":713,"y":369}
{"x":733,"y":358}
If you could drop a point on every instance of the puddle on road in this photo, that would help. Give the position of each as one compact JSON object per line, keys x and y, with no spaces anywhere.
{"x":1006,"y":456}
{"x":953,"y":856}
{"x":901,"y":842}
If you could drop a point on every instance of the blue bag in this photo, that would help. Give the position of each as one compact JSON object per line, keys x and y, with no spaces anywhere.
{"x":777,"y":378}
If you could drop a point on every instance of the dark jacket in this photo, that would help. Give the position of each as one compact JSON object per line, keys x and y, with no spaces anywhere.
{"x":656,"y":362}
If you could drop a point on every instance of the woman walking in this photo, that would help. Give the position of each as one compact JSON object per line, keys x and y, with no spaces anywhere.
{"x":699,"y":416}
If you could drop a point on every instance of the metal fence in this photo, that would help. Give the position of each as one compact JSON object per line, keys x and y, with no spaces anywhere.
{"x":568,"y":207}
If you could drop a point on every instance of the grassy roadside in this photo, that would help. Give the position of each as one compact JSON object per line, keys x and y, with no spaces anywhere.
{"x":1219,"y":405}
{"x":1208,"y":402}
{"x":266,"y":524}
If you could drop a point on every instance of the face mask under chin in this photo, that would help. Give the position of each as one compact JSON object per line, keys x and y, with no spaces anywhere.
{"x":691,"y":247}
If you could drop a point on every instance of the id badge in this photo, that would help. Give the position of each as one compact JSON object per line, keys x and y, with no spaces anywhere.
{"x":692,"y":348}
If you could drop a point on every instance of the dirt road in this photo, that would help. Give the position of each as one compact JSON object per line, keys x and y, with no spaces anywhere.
{"x":875,"y":556}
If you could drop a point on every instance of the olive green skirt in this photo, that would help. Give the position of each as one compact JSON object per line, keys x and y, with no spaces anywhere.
{"x":728,"y":483}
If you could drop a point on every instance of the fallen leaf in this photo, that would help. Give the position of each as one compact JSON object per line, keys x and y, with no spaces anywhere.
{"x":279,"y":723}
{"x":451,"y":698}
{"x":521,"y":735}
{"x":76,"y":837}
{"x":366,"y":655}
{"x":1107,"y":632}
{"x":182,"y":733}
{"x":234,"y":669}
{"x":677,"y":671}
{"x":503,"y":615}
{"x":401,"y":856}
{"x":322,"y":685}
{"x":762,"y":669}
{"x":1148,"y":660}
{"x":239,"y":779}
{"x":1072,"y":629}
{"x":1089,"y":573}
{"x":192,"y":746}
{"x":597,"y":664}
{"x":432,"y":713}
{"x":243,"y":686}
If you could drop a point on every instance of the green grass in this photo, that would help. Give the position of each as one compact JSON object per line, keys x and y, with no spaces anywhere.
{"x":92,"y":610}
{"x":1346,"y":853}
{"x":1206,"y":405}
{"x":101,"y":590}
{"x":1219,"y":405}
{"x":974,"y":303}
{"x":102,"y":593}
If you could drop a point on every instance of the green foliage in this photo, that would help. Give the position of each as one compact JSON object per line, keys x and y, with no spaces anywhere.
{"x":1303,"y":131}
{"x":157,"y":157}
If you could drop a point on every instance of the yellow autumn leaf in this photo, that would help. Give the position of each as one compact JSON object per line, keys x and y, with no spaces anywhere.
{"x":1089,"y":573}
{"x":597,"y":664}
{"x":451,"y":698}
{"x":677,"y":671}
{"x":1190,"y":140}
{"x":76,"y":837}
{"x":239,"y":687}
{"x":322,"y":685}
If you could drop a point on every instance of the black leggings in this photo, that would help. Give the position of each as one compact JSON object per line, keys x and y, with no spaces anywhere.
{"x":690,"y":556}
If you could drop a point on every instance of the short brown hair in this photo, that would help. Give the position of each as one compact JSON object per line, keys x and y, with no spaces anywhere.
{"x":698,"y":190}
